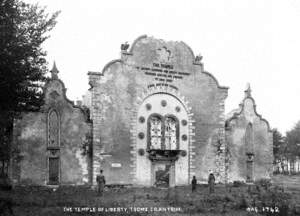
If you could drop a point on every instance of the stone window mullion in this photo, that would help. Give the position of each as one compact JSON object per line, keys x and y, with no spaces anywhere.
{"x":163,"y":138}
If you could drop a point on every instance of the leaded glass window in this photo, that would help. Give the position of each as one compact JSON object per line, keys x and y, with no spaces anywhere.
{"x":163,"y":132}
{"x":170,"y":134}
{"x":53,"y":170}
{"x":155,"y":132}
{"x":53,"y":129}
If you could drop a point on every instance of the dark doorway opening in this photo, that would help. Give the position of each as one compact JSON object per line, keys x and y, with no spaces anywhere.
{"x":53,"y":171}
{"x":162,"y":175}
{"x":249,"y":177}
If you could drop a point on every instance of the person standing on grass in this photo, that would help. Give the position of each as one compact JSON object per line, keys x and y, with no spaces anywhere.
{"x":194,"y":183}
{"x":100,"y":182}
{"x":211,"y":182}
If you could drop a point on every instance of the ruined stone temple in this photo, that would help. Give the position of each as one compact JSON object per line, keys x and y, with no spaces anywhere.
{"x":154,"y":117}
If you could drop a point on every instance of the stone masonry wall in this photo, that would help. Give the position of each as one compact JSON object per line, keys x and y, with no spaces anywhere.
{"x":262,"y":140}
{"x":153,"y":63}
{"x":30,"y":137}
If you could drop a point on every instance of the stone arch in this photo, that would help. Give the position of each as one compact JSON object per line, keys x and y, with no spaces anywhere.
{"x":137,"y":127}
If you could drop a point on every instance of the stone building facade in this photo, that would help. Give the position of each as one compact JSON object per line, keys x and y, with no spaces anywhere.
{"x":249,"y":142}
{"x":52,"y":143}
{"x":152,"y":117}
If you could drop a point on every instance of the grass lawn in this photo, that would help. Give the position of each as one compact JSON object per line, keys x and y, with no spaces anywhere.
{"x":230,"y":200}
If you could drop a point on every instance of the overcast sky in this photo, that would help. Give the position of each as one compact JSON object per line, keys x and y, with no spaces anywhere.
{"x":255,"y":41}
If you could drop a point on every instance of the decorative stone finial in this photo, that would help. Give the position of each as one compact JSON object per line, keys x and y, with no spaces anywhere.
{"x":198,"y":58}
{"x":248,"y":90}
{"x":124,"y":46}
{"x":54,"y":71}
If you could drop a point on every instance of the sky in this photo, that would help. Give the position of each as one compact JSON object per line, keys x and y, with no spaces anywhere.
{"x":241,"y":41}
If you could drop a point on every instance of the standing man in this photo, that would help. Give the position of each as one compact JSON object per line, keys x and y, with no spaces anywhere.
{"x":101,"y":183}
{"x":194,"y":183}
{"x":211,"y":182}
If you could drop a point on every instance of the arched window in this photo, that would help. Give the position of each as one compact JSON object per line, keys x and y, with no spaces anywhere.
{"x":170,"y":133}
{"x":249,"y":138}
{"x":155,"y":125}
{"x":163,"y":132}
{"x":53,"y":129}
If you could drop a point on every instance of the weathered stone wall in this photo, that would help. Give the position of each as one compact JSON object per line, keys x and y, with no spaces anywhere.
{"x":30,"y":137}
{"x":118,"y":92}
{"x":236,"y":139}
{"x":151,"y":71}
{"x":143,"y":164}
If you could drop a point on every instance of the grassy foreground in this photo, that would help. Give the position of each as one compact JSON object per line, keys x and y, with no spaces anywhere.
{"x":237,"y":199}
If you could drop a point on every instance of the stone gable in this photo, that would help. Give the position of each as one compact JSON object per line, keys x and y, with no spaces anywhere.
{"x":32,"y":134}
{"x":249,"y":143}
{"x":156,"y":66}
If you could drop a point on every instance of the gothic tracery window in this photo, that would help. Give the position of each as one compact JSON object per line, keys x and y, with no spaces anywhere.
{"x":163,"y":132}
{"x":53,"y":129}
{"x":155,"y":132}
{"x":170,"y":134}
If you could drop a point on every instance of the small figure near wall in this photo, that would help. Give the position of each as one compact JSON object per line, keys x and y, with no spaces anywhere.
{"x":211,"y":182}
{"x":194,"y":184}
{"x":100,"y":182}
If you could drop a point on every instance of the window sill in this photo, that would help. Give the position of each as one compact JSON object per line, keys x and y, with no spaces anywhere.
{"x":53,"y":148}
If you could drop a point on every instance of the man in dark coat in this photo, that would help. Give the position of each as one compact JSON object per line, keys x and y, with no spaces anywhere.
{"x":211,"y":183}
{"x":194,"y":183}
{"x":100,"y":182}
